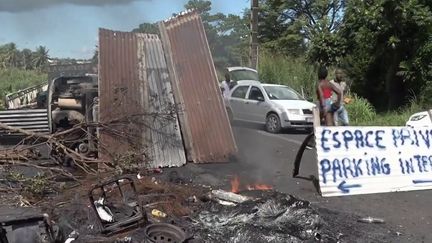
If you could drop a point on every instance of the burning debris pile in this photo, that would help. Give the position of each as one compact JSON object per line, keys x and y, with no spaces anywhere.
{"x":275,"y":217}
{"x":149,"y":209}
{"x":236,"y":186}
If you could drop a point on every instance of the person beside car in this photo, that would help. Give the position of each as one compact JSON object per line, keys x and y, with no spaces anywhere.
{"x":227,"y":85}
{"x":325,"y":91}
{"x":341,"y":115}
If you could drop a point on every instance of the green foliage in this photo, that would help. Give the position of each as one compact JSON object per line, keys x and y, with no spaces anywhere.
{"x":362,"y":113}
{"x":384,"y":45}
{"x":148,"y":28}
{"x":294,"y":72}
{"x":21,"y":69}
{"x":14,"y":79}
{"x":227,"y":34}
{"x":11,"y":57}
{"x":129,"y":162}
{"x":298,"y":27}
{"x":36,"y":186}
{"x":40,"y":57}
{"x":388,"y":49}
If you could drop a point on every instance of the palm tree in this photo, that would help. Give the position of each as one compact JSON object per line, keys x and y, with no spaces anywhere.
{"x":26,"y":58}
{"x":2,"y":56}
{"x":40,"y":57}
{"x":10,"y":57}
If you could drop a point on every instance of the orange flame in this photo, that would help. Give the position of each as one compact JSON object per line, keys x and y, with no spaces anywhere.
{"x":260,"y":187}
{"x":235,"y":185}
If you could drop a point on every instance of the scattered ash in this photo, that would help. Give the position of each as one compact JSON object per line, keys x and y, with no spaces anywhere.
{"x":278,"y":217}
{"x":273,"y":217}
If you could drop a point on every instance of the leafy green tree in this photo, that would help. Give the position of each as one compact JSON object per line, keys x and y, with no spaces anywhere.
{"x":227,"y":34}
{"x":298,"y":27}
{"x":10,"y":55}
{"x":26,"y":59}
{"x":149,"y":28}
{"x":388,"y":44}
{"x":40,"y":57}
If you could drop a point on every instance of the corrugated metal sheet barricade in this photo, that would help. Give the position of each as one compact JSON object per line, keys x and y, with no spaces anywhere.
{"x":204,"y":121}
{"x":167,"y":144}
{"x":133,"y":102}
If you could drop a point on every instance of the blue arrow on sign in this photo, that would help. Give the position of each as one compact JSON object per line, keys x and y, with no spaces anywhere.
{"x":345,"y":188}
{"x":421,"y":181}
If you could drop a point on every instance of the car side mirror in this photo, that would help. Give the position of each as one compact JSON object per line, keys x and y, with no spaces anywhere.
{"x":260,"y":98}
{"x":310,"y":99}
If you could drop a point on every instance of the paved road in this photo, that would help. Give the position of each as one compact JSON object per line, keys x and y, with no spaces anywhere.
{"x":268,"y":158}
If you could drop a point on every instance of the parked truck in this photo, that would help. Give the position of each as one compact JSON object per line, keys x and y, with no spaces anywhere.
{"x":70,"y":98}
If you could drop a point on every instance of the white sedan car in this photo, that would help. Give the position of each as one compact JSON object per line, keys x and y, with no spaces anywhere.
{"x":276,"y":106}
{"x":420,"y":119}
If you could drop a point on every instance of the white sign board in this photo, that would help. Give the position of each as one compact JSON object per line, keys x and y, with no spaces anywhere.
{"x":365,"y":160}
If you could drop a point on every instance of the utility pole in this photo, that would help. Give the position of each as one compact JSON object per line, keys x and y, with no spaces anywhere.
{"x":253,"y":53}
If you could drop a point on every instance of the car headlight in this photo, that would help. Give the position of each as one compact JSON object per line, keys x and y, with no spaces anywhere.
{"x":294,"y":111}
{"x":418,"y":117}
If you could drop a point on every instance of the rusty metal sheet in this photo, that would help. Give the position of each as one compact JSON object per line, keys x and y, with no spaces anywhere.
{"x":131,"y":84}
{"x":120,"y":95}
{"x":167,"y":144}
{"x":206,"y":130}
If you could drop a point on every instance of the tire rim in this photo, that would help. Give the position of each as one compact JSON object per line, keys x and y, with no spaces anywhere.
{"x":272,"y":123}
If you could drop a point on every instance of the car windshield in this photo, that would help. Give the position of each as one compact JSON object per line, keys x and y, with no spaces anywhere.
{"x":243,"y":75}
{"x":282,"y":93}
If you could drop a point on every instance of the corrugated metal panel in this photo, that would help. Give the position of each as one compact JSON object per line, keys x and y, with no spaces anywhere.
{"x":165,"y":136}
{"x":34,"y":120}
{"x":135,"y":91}
{"x":120,"y":95}
{"x":205,"y":125}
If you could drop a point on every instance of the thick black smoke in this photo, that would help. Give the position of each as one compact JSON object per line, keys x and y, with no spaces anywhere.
{"x":28,"y":5}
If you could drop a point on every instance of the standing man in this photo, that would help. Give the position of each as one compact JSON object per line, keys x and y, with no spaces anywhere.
{"x":341,"y":115}
{"x":227,"y":85}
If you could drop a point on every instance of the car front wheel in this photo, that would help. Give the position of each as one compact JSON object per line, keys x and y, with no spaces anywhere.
{"x":273,"y":124}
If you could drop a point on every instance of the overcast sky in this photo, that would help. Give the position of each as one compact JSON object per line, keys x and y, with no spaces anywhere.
{"x":69,"y":28}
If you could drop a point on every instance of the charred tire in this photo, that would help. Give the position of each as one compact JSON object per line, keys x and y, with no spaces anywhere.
{"x":273,"y":123}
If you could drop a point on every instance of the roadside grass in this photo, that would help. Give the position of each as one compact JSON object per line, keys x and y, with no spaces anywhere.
{"x":362,"y":113}
{"x":293,"y":72}
{"x":14,"y":79}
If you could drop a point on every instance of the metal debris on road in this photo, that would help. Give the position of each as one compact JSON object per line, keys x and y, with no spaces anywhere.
{"x":164,"y":233}
{"x":371,"y":220}
{"x":72,"y":236}
{"x":229,"y":196}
